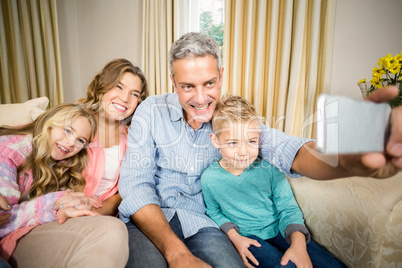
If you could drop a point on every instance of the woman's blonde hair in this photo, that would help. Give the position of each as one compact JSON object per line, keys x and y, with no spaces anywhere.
{"x":49,"y":176}
{"x":108,"y":78}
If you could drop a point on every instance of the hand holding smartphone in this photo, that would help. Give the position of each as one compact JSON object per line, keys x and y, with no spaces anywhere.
{"x":347,"y":126}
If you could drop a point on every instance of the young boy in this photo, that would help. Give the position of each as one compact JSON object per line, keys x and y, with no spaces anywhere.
{"x":251,"y":200}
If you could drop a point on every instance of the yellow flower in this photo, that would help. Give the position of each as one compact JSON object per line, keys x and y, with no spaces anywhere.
{"x":385,"y":62}
{"x":376,"y":84}
{"x":395,"y":70}
{"x":378,"y":71}
{"x":387,"y":72}
{"x":376,"y":75}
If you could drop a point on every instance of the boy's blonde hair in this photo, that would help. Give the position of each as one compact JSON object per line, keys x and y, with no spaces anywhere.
{"x":233,"y":109}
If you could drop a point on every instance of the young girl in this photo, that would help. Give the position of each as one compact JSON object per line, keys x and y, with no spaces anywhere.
{"x":41,"y":160}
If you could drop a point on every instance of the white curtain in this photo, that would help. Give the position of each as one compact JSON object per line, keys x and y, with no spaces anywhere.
{"x":164,"y":22}
{"x":277,"y":54}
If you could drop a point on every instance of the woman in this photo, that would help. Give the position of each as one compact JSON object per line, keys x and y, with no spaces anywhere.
{"x":113,"y":95}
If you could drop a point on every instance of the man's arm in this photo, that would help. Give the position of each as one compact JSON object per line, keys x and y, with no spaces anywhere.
{"x":137,"y":187}
{"x":152,"y":222}
{"x":310,"y":163}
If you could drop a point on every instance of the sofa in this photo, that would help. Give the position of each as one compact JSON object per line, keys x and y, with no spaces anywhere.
{"x":358,"y":220}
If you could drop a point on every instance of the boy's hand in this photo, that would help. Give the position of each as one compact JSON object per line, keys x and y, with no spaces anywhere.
{"x":298,"y":256}
{"x":297,"y":252}
{"x":242,"y":244}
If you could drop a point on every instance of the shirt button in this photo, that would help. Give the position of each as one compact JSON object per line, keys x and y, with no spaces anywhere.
{"x":194,"y":145}
{"x":178,"y":194}
{"x":192,"y":169}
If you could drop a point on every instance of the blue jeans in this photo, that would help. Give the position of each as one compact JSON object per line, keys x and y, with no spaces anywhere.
{"x":271,"y":252}
{"x":4,"y":264}
{"x":210,"y":245}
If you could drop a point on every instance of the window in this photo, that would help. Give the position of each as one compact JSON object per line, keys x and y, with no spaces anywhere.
{"x":212,"y":17}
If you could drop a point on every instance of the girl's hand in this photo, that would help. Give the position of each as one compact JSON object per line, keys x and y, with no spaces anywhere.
{"x":242,"y":244}
{"x":77,"y":200}
{"x":71,"y":212}
{"x":4,"y":217}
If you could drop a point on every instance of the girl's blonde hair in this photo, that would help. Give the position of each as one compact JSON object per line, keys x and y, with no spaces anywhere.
{"x":49,"y":176}
{"x":110,"y":77}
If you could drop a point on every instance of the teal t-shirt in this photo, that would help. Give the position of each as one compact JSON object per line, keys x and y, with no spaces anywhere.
{"x":259,"y":201}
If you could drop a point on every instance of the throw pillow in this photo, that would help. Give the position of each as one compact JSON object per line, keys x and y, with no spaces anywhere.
{"x":22,"y":113}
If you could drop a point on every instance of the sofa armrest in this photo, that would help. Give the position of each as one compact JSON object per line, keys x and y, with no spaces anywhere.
{"x":358,"y":220}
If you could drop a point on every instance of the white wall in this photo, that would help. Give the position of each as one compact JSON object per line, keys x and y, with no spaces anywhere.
{"x":93,"y":32}
{"x":365,"y":30}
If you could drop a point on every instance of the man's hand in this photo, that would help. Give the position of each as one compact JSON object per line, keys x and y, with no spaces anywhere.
{"x":380,"y":165}
{"x":242,"y":244}
{"x":4,"y":217}
{"x":310,"y":163}
{"x":188,"y":260}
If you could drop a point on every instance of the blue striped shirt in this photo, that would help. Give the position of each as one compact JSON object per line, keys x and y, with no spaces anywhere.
{"x":165,"y":159}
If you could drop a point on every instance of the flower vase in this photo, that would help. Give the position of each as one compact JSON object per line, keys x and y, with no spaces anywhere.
{"x":366,"y":88}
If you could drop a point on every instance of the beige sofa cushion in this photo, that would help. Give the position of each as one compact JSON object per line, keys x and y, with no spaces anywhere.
{"x":22,"y":113}
{"x":359,"y":220}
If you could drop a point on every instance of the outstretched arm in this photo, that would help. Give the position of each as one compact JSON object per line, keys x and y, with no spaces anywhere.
{"x":310,"y":163}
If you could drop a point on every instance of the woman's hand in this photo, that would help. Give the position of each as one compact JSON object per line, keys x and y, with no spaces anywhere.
{"x":4,"y":217}
{"x":76,"y":199}
{"x":72,"y":212}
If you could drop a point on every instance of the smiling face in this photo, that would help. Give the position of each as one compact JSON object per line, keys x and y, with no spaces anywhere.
{"x":68,"y":141}
{"x":121,"y":101}
{"x":238,"y":144}
{"x":197,"y":82}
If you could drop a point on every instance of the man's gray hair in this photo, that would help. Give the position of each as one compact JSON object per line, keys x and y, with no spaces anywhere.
{"x":191,"y":45}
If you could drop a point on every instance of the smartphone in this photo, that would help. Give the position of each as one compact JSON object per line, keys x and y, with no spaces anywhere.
{"x":348,"y":126}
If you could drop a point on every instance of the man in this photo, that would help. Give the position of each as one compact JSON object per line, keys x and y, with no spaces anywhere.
{"x":169,"y":148}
